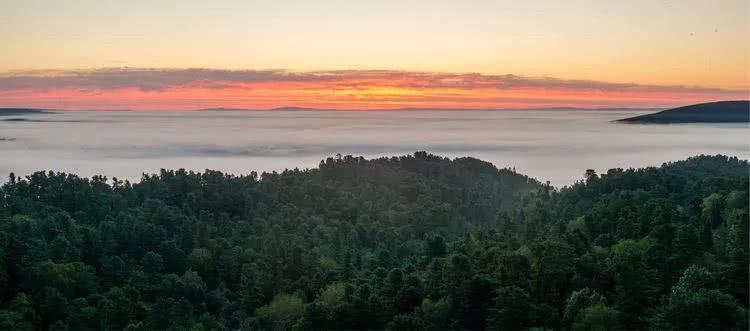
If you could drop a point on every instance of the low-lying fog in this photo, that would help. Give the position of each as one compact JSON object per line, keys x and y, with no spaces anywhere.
{"x":554,"y":145}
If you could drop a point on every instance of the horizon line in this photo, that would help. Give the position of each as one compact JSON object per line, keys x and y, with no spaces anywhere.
{"x":296,"y":108}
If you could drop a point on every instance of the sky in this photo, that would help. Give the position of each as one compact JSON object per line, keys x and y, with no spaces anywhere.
{"x":82,"y":54}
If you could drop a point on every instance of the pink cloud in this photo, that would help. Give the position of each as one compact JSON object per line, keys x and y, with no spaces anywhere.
{"x":139,"y":88}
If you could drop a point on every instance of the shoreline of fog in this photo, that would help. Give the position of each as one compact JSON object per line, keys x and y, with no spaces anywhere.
{"x":260,"y":172}
{"x":554,"y":145}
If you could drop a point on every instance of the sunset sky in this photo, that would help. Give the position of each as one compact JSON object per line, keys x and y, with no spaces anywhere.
{"x":372,"y":54}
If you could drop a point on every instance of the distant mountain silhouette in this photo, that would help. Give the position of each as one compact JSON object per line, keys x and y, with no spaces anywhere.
{"x":300,"y":109}
{"x":228,"y":109}
{"x":712,"y":112}
{"x":293,"y":108}
{"x":265,"y":109}
{"x":23,"y":111}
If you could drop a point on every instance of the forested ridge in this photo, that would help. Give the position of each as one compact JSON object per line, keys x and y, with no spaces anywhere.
{"x":411,"y":242}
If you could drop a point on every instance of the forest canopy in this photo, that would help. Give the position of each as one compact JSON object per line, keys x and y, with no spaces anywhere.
{"x":410,"y":242}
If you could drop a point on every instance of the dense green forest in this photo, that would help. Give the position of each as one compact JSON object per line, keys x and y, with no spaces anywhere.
{"x":412,"y":242}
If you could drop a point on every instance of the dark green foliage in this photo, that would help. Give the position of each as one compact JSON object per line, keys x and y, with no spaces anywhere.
{"x":413,"y":242}
{"x":695,"y":304}
{"x":597,"y":317}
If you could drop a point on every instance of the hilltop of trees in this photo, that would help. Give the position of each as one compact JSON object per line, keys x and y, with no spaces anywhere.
{"x":411,"y":242}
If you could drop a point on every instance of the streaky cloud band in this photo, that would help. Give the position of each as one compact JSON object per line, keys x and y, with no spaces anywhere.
{"x":154,"y":79}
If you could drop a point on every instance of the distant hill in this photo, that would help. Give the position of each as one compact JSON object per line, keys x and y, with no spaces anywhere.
{"x":268,"y":109}
{"x":23,"y":111}
{"x":293,"y":108}
{"x":712,"y":112}
{"x":226,"y":109}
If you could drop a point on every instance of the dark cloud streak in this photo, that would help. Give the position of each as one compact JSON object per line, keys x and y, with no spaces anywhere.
{"x":150,"y":79}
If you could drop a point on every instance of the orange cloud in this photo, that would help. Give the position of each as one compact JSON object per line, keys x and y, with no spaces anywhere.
{"x":129,"y":88}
